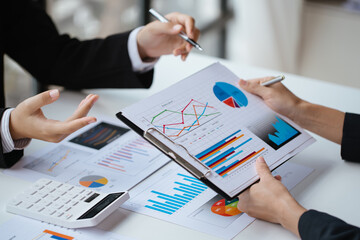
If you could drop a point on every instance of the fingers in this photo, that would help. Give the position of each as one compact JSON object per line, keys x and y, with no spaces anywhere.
{"x":34,"y":103}
{"x":254,"y":86}
{"x":262,"y":168}
{"x":55,"y":131}
{"x":84,"y":107}
{"x":278,"y":177}
{"x":185,"y":20}
{"x":169,"y":28}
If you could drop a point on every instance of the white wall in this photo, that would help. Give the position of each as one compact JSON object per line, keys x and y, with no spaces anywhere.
{"x":330,"y":46}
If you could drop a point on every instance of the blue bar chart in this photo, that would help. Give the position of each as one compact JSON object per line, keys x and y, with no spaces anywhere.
{"x":228,"y":154}
{"x":184,"y":189}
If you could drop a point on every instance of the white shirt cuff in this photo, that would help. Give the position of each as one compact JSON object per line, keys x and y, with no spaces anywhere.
{"x":137,"y":64}
{"x":6,"y":140}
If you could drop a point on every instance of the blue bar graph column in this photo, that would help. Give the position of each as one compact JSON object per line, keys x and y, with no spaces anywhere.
{"x":183,"y":191}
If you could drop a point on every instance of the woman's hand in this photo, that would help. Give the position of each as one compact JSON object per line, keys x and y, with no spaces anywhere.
{"x":158,"y":38}
{"x":28,"y":121}
{"x":269,"y":200}
{"x":276,"y":96}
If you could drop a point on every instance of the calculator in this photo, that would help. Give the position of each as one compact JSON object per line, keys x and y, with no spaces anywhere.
{"x":64,"y":204}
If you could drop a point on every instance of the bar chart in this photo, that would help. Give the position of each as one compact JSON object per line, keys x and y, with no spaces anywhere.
{"x":130,"y":156}
{"x":176,"y":195}
{"x":228,"y":154}
{"x":48,"y":234}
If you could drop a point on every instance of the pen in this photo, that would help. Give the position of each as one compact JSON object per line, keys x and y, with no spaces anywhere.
{"x":274,"y":80}
{"x":183,"y":35}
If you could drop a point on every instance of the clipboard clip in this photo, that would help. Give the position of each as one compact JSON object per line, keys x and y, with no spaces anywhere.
{"x":178,"y":153}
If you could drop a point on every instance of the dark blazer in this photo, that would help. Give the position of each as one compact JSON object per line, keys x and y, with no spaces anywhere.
{"x":28,"y":36}
{"x":315,"y":225}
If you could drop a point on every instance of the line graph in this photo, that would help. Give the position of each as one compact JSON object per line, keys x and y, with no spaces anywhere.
{"x":57,"y":161}
{"x":175,"y":123}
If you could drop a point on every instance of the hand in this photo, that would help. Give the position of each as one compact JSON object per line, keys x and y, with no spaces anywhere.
{"x":270,"y":200}
{"x":276,"y":96}
{"x":28,"y":121}
{"x":158,"y":38}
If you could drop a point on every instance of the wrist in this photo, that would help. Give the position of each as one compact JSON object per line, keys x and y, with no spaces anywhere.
{"x":145,"y":57}
{"x":15,"y":135}
{"x":290,"y":214}
{"x":300,"y":112}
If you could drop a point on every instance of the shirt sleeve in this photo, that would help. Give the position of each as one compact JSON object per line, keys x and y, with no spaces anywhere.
{"x":316,"y":225}
{"x":6,"y":140}
{"x":137,"y":64}
{"x":351,"y":138}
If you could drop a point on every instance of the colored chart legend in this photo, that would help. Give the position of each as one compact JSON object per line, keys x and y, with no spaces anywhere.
{"x":226,"y":208}
{"x":227,"y":155}
{"x":230,"y":95}
{"x":176,"y":123}
{"x":184,"y":189}
{"x":93,"y":181}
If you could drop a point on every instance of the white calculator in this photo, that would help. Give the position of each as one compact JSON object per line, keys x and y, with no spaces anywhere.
{"x":64,"y":204}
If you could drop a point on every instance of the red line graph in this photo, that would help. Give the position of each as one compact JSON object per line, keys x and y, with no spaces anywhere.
{"x":193,"y":112}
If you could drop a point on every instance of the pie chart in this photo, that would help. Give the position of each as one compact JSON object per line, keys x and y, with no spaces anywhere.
{"x":93,"y":181}
{"x":230,"y":95}
{"x":226,"y":208}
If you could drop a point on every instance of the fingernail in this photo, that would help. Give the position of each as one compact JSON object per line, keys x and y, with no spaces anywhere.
{"x":177,"y":27}
{"x":260,"y":159}
{"x":54,"y":93}
{"x":92,"y":121}
{"x":243,"y":82}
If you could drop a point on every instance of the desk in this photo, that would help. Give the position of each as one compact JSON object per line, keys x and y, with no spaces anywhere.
{"x":332,"y":187}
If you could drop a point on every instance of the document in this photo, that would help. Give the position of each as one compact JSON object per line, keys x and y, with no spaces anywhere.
{"x":217,"y":129}
{"x":173,"y":195}
{"x":106,"y":156}
{"x":36,"y":230}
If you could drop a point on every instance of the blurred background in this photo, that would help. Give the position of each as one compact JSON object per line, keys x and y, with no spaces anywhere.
{"x":313,"y":38}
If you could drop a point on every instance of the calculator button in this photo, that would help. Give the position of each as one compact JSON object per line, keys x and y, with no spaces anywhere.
{"x":38,"y":208}
{"x":59,"y":214}
{"x":15,"y":202}
{"x":67,"y":216}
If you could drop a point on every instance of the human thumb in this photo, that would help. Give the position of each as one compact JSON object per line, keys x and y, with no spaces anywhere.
{"x":262,"y":168}
{"x":34,"y":103}
{"x":253,"y":86}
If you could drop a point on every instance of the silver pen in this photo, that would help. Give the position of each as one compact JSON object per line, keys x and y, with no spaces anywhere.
{"x":183,"y":35}
{"x":273,"y":81}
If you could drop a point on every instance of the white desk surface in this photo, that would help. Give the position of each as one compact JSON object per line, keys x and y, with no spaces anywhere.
{"x":333,"y":187}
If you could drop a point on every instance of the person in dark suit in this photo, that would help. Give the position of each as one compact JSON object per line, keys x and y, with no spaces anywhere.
{"x":125,"y":60}
{"x":269,"y":199}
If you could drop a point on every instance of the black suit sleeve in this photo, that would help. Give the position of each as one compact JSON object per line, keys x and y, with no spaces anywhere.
{"x":314,"y":225}
{"x":33,"y":41}
{"x":8,"y":159}
{"x":317,"y":225}
{"x":351,"y":138}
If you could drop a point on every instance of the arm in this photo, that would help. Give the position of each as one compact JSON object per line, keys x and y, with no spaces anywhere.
{"x":28,"y":121}
{"x":324,"y":121}
{"x":33,"y":41}
{"x":271,"y":201}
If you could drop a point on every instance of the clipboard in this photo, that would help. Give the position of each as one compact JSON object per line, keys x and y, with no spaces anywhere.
{"x":177,"y":153}
{"x":224,"y":160}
